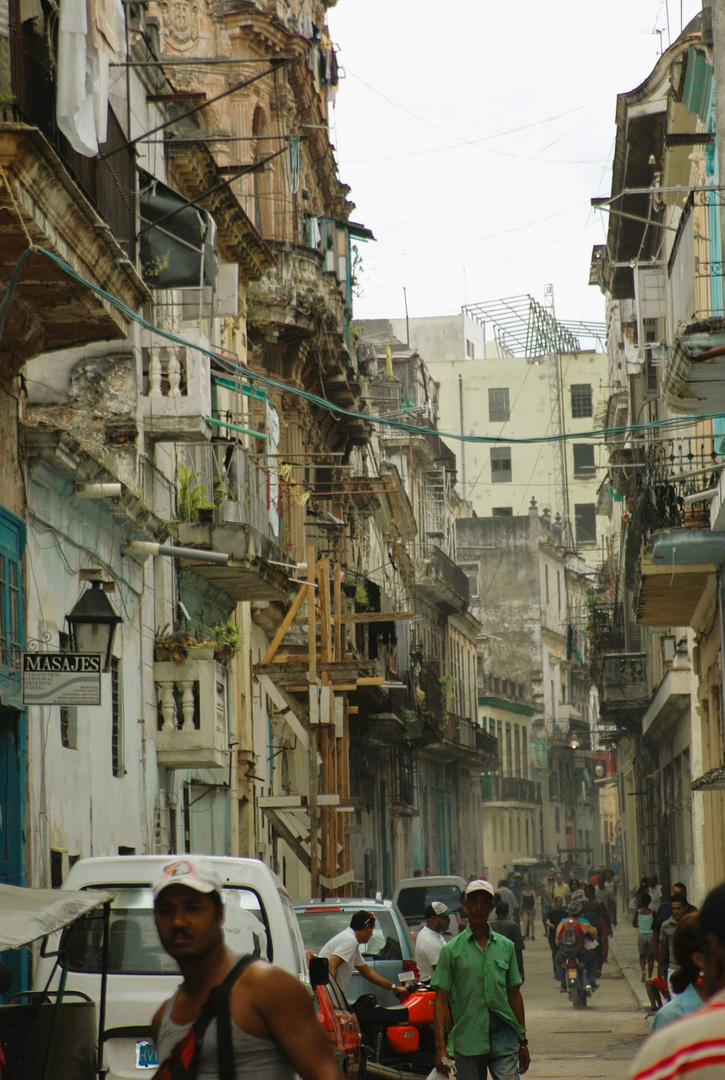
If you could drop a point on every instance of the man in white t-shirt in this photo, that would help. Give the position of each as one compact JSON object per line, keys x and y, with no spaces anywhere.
{"x":343,"y":953}
{"x":430,"y":938}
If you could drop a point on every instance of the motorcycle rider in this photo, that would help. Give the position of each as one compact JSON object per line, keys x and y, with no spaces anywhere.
{"x":583,"y":930}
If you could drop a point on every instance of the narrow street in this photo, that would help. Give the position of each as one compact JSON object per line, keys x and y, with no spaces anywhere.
{"x":600,"y":1041}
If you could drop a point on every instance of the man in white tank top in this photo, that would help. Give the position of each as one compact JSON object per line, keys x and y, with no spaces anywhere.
{"x":274,"y":1027}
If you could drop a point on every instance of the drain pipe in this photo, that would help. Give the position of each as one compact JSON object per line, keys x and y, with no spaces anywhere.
{"x":142,"y":547}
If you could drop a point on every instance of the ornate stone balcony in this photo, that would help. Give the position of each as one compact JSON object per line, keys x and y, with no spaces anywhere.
{"x":192,"y":714}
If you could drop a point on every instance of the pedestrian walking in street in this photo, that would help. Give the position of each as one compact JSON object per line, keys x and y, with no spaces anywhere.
{"x":560,"y":888}
{"x":231,"y":1015}
{"x":505,"y":926}
{"x":556,"y":913}
{"x":687,"y":987}
{"x":343,"y":953}
{"x":611,"y":888}
{"x":517,"y":888}
{"x":528,"y":910}
{"x":694,"y":1047}
{"x":596,"y":913}
{"x":666,"y":963}
{"x":430,"y":940}
{"x":508,"y":898}
{"x":642,"y":922}
{"x":477,"y":977}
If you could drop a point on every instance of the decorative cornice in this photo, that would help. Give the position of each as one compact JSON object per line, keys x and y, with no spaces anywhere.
{"x":195,"y":171}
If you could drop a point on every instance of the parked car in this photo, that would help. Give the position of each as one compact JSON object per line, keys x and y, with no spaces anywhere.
{"x":259,"y":917}
{"x":389,"y":951}
{"x":339,"y":1021}
{"x":412,"y":895}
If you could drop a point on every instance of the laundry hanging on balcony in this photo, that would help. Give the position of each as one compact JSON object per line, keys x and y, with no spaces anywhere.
{"x":178,"y":241}
{"x":89,"y":38}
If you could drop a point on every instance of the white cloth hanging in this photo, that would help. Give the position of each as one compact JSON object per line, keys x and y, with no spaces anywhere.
{"x":87,"y":43}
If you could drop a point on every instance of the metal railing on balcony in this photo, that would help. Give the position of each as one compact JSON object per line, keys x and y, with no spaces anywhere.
{"x":224,"y":483}
{"x":437,"y":564}
{"x":159,"y":492}
{"x":497,"y":788}
{"x":673,"y":469}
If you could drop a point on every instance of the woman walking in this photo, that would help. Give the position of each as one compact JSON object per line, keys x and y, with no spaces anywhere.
{"x":528,"y":910}
{"x":643,"y":918}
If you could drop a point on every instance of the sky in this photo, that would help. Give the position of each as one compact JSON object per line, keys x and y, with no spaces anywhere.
{"x":474,"y":133}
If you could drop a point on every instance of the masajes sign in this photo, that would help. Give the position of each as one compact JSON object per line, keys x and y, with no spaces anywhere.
{"x":62,"y":678}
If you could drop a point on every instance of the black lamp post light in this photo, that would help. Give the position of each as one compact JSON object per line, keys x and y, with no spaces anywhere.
{"x":92,"y":624}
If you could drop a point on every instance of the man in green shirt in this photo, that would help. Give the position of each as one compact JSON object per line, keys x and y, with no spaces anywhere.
{"x":478,"y":978}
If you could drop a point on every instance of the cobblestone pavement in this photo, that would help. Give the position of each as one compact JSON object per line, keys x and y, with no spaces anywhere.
{"x":599,"y":1041}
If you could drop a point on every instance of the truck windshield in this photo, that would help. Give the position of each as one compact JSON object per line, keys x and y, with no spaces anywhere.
{"x":414,"y":900}
{"x":134,"y":947}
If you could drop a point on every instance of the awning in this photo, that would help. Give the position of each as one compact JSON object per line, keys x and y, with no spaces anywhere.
{"x":29,"y":914}
{"x":178,"y":240}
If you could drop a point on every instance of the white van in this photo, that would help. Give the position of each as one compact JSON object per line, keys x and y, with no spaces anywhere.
{"x":259,"y":917}
{"x":412,"y":895}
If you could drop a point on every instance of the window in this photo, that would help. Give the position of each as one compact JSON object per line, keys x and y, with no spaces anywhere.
{"x":116,"y":719}
{"x":470,"y":350}
{"x":581,"y":400}
{"x":498,"y":404}
{"x":584,"y":460}
{"x":546,"y":582}
{"x":502,"y":511}
{"x":501,"y":465}
{"x":585,"y":523}
{"x":56,"y":868}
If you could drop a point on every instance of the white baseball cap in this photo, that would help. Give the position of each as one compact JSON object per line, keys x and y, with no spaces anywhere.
{"x":480,"y":886}
{"x":194,"y":871}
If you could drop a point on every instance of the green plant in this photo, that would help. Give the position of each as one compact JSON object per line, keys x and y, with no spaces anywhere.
{"x":191,"y":493}
{"x":361,"y":597}
{"x":228,"y":641}
{"x":447,"y":684}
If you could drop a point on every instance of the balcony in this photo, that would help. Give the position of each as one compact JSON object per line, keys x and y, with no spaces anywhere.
{"x":693,"y":379}
{"x":49,"y":309}
{"x":440,"y":582}
{"x":624,"y":683}
{"x":176,"y":397}
{"x":225,"y":502}
{"x":666,"y":558}
{"x":192,"y":715}
{"x":508,"y":789}
{"x":462,"y":742}
{"x":670,"y":701}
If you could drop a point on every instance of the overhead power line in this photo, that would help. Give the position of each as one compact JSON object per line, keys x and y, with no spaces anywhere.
{"x":238,"y":369}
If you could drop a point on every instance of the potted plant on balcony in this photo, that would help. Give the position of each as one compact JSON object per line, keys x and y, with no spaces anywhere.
{"x":228,"y":642}
{"x":178,"y":646}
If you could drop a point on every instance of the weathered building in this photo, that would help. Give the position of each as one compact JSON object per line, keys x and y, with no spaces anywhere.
{"x":530,"y":597}
{"x":657,"y":633}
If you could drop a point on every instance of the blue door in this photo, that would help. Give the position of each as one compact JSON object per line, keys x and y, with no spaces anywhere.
{"x":12,"y":722}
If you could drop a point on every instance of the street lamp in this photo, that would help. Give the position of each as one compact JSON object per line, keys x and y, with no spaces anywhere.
{"x":92,"y":624}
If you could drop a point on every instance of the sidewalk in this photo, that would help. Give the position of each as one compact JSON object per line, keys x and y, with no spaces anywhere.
{"x":623,"y":952}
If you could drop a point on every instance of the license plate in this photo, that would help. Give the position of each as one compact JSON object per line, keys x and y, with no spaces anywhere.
{"x":146,"y":1054}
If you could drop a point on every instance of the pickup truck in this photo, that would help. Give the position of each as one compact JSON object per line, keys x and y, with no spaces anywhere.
{"x":259,"y":917}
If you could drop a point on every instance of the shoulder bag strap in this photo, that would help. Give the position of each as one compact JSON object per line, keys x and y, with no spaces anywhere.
{"x":220,"y":995}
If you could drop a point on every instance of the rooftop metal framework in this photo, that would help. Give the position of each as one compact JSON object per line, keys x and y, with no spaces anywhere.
{"x":523,"y":327}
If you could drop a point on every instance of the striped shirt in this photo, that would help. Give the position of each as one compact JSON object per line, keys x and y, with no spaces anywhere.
{"x":693,"y":1047}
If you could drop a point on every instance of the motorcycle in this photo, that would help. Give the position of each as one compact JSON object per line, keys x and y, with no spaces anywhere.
{"x":575,"y":980}
{"x":399,"y":1038}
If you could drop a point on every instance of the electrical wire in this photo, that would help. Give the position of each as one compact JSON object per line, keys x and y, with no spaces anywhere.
{"x":666,"y":424}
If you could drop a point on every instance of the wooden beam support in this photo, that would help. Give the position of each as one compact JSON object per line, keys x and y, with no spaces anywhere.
{"x":280,"y":826}
{"x":286,"y":623}
{"x":337,"y":612}
{"x":292,"y":711}
{"x":371,"y":680}
{"x":374,"y":616}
